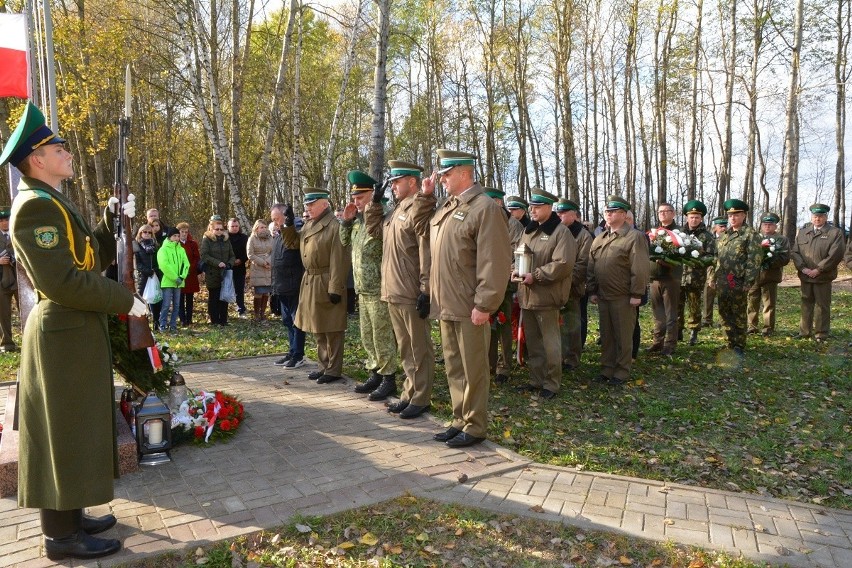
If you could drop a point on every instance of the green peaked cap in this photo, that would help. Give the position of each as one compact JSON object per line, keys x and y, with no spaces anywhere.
{"x":694,"y":206}
{"x":31,"y":133}
{"x":360,"y":181}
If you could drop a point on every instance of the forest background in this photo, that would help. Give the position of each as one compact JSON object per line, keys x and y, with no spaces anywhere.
{"x":238,"y":104}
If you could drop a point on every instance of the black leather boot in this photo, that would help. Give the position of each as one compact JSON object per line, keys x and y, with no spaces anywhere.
{"x":95,"y":525}
{"x":386,"y":389}
{"x":693,"y":339}
{"x":370,"y":384}
{"x":64,"y":537}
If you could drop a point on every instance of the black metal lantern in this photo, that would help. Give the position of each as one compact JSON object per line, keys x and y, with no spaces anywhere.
{"x":523,"y":261}
{"x":153,"y":431}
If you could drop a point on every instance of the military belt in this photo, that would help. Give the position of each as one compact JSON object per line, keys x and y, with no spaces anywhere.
{"x":317,"y":270}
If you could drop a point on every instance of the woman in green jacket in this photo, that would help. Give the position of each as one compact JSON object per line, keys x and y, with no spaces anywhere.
{"x":174,"y":264}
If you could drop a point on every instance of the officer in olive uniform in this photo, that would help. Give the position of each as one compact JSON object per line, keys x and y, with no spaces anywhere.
{"x":8,"y":283}
{"x":616,"y":281}
{"x":470,"y":267}
{"x":63,"y":469}
{"x":816,"y":252}
{"x":738,"y":259}
{"x":665,"y":291}
{"x":518,"y":208}
{"x":543,"y":289}
{"x":321,"y":309}
{"x":718,"y":226}
{"x":776,"y":249}
{"x":573,"y":313}
{"x":694,"y":278}
{"x":376,"y":329}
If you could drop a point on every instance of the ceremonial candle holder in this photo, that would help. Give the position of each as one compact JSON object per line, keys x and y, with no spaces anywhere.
{"x":523,"y":261}
{"x":177,"y":392}
{"x":153,"y":431}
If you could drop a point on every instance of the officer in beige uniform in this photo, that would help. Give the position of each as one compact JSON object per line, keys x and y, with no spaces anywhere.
{"x":616,"y":281}
{"x":543,"y":290}
{"x":326,"y":261}
{"x":405,"y":280}
{"x":816,"y":252}
{"x":470,"y":264}
{"x":571,"y":330}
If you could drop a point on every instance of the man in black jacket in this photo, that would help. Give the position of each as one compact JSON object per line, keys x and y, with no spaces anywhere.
{"x":287,"y":270}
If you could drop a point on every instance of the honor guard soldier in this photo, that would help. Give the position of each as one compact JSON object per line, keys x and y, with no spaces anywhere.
{"x":738,"y":258}
{"x":61,"y":470}
{"x":574,"y":315}
{"x":375,"y":323}
{"x":469,"y":240}
{"x":816,"y":252}
{"x":543,"y":289}
{"x":694,"y":278}
{"x":776,"y":249}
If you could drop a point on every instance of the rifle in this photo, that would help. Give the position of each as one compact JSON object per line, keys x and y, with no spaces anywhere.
{"x":139,"y":334}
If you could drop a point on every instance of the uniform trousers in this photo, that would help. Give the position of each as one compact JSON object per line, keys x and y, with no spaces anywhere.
{"x":330,"y":352}
{"x":545,"y":348}
{"x":377,"y":334}
{"x":816,"y":309}
{"x":709,"y":301}
{"x":690,"y":300}
{"x":466,"y":361}
{"x":571,"y":332}
{"x":665,"y":297}
{"x":6,"y":340}
{"x":414,"y":339}
{"x":766,"y":293}
{"x":501,"y":337}
{"x":617,"y":321}
{"x":732,"y":310}
{"x":187,"y":304}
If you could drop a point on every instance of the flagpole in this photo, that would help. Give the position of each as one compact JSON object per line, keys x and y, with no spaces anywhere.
{"x":51,"y":72}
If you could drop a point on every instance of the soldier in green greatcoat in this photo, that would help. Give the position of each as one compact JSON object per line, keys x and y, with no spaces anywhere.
{"x":68,"y":455}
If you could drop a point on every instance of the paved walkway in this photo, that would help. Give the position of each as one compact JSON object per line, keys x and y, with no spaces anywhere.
{"x":317,"y":449}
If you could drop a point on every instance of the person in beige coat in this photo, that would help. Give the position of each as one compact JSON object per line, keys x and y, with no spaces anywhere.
{"x":326,"y":261}
{"x":259,"y":252}
{"x":543,"y":289}
{"x":471,"y":260}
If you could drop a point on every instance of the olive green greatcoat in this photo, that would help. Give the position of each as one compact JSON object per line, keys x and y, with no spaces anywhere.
{"x":67,"y":455}
{"x":326,"y":263}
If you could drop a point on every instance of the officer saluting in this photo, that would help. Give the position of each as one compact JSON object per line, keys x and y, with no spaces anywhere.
{"x":63,"y":469}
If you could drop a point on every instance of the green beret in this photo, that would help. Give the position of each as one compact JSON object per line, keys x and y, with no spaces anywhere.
{"x":566,"y":205}
{"x":31,"y":133}
{"x":614,"y":202}
{"x":5,"y":213}
{"x":314,"y":193}
{"x":770,"y":217}
{"x":516,"y":202}
{"x":360,"y":181}
{"x":448,"y":159}
{"x":820,"y":209}
{"x":720,"y":221}
{"x":735,"y":206}
{"x":400,"y":169}
{"x":694,"y":206}
{"x":493,"y":192}
{"x":540,"y":197}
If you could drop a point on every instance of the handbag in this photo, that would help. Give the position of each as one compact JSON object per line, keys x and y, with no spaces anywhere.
{"x":228,"y":294}
{"x":152,"y":292}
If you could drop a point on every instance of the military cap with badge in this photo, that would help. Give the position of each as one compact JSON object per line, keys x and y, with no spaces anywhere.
{"x":516,"y":202}
{"x":449,"y":159}
{"x":540,"y":197}
{"x":694,"y":206}
{"x":615,"y":202}
{"x":566,"y":205}
{"x":770,"y":217}
{"x":31,"y":133}
{"x":735,"y":206}
{"x":820,"y":209}
{"x":360,"y":182}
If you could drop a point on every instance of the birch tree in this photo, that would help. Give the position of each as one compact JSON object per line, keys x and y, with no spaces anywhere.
{"x":790,"y":176}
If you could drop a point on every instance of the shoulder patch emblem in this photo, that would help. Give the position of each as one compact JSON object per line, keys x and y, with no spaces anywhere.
{"x":46,"y":237}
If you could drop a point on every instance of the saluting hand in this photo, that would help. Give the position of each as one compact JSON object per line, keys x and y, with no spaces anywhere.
{"x":349,"y":212}
{"x":428,"y":185}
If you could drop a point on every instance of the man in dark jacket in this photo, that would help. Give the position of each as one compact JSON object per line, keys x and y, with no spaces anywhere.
{"x":287,"y":270}
{"x":239,"y":241}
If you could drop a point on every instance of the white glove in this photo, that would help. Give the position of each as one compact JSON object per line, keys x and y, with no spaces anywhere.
{"x":139,"y":309}
{"x":129,"y":208}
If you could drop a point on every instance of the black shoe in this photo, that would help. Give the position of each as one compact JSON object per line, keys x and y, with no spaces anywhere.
{"x":95,"y":525}
{"x":325,"y":379}
{"x":546,"y":394}
{"x":680,"y":335}
{"x":752,"y":331}
{"x":80,"y":545}
{"x":655,"y":348}
{"x":397,"y":407}
{"x":370,"y":384}
{"x":413,"y":411}
{"x":385,"y":389}
{"x":444,"y":436}
{"x":667,"y":351}
{"x":463,"y":439}
{"x":500,"y":378}
{"x":526,"y":388}
{"x":283,"y":360}
{"x":316,"y":375}
{"x":567,"y":367}
{"x":693,"y":339}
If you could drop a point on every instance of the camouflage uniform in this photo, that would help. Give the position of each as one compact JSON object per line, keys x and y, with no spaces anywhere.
{"x":738,"y":259}
{"x":766,"y":286}
{"x":377,"y":334}
{"x":693,"y":281}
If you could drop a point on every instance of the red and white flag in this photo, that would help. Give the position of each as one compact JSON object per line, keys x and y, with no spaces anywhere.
{"x":14,"y":68}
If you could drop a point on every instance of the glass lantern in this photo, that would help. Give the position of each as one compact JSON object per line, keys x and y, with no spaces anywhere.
{"x":523,"y":261}
{"x":177,"y":392}
{"x":153,"y":431}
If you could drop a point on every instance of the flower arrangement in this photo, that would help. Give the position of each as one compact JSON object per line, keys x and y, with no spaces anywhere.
{"x":771,"y":248}
{"x":497,"y":320}
{"x":208,"y":416}
{"x":677,"y":247}
{"x":146,"y":369}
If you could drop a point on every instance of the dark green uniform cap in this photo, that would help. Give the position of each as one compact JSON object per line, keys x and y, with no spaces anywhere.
{"x":566,"y":205}
{"x":314,"y":193}
{"x":540,"y":197}
{"x":493,"y":192}
{"x":360,"y":181}
{"x":769,"y":217}
{"x":820,"y":208}
{"x":400,"y":169}
{"x":735,"y":206}
{"x":516,"y":202}
{"x":448,"y":159}
{"x":694,"y":206}
{"x":5,"y":212}
{"x":720,"y":221}
{"x":31,"y":133}
{"x":614,"y":202}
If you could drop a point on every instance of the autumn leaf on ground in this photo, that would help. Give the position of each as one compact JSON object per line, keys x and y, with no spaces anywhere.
{"x":369,"y":539}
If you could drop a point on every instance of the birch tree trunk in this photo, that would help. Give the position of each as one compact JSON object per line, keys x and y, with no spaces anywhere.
{"x":790,"y":175}
{"x":692,"y":159}
{"x":841,"y":75}
{"x":380,"y":95}
{"x":724,"y":187}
